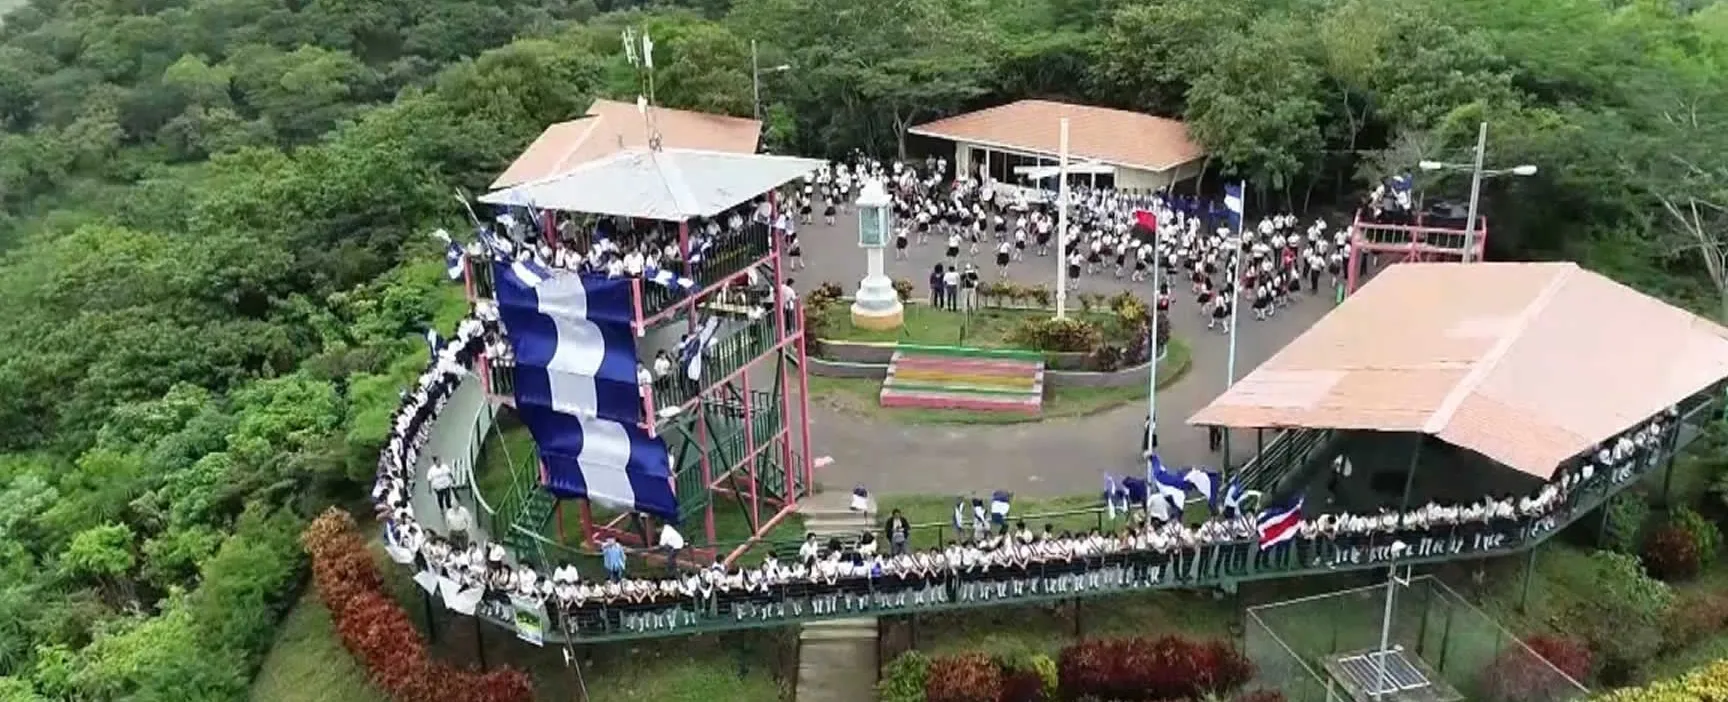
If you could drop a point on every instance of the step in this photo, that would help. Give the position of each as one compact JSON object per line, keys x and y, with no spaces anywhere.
{"x":961,"y":376}
{"x":837,"y":661}
{"x":923,"y":399}
{"x":952,"y":362}
{"x":962,"y":388}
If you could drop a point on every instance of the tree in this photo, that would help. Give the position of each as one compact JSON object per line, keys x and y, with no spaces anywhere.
{"x":1268,"y":133}
{"x":1683,"y":165}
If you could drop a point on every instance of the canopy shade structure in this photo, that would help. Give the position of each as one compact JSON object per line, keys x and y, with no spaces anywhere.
{"x":1116,"y":137}
{"x":671,"y":185}
{"x":610,"y":126}
{"x":1528,"y":364}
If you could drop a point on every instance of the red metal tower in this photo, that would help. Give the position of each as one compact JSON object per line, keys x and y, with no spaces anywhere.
{"x":1419,"y":240}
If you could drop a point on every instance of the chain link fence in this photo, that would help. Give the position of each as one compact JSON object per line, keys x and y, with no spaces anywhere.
{"x":1461,"y":651}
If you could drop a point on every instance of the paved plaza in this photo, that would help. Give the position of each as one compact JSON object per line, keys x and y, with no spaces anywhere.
{"x":1048,"y":458}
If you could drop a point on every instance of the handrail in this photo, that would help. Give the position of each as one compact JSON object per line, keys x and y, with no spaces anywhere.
{"x":1190,"y":567}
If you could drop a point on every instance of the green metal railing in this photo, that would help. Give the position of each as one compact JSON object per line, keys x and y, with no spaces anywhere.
{"x":1288,"y":451}
{"x":1204,"y":566}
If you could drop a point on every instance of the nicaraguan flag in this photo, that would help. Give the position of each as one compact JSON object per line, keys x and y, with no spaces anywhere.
{"x":1233,"y":494}
{"x":1171,"y":487}
{"x":576,"y":387}
{"x":691,"y":351}
{"x":1278,"y":524}
{"x":1233,"y":205}
{"x":453,"y":258}
{"x":1401,"y":183}
{"x":960,"y":514}
{"x":434,"y":343}
{"x":699,"y":249}
{"x":1205,"y":483}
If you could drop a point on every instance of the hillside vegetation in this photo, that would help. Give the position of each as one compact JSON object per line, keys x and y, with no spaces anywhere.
{"x":214,"y":218}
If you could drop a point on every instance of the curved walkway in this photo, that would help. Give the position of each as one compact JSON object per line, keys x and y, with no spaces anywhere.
{"x":1050,"y":458}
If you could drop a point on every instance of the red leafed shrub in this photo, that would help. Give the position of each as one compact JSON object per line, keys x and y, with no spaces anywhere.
{"x":1168,"y":668}
{"x":1518,"y":676}
{"x":971,"y":677}
{"x":1021,"y":686}
{"x":1671,"y":553}
{"x":378,"y":632}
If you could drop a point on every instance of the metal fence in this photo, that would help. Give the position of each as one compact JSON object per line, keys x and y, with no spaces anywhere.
{"x":1301,"y":647}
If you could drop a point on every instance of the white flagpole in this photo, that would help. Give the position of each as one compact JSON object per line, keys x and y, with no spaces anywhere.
{"x":1062,"y":225}
{"x":1152,"y":349}
{"x":1236,"y":290}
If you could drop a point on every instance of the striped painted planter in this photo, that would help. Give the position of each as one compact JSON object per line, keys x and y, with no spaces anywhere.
{"x":950,"y":378}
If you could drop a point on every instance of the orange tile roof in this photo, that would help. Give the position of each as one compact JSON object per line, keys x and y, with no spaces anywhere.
{"x":1115,"y":137}
{"x":612,"y":126}
{"x":1528,"y":364}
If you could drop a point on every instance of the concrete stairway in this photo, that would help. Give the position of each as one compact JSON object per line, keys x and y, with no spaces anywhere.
{"x":837,"y":659}
{"x":979,"y":380}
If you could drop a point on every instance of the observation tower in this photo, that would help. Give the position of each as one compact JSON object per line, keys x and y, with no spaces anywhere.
{"x":714,"y":327}
{"x":1410,"y":237}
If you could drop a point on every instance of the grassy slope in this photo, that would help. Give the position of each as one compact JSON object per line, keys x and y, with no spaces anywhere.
{"x":307,"y":663}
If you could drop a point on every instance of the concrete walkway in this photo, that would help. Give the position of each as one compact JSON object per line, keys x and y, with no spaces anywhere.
{"x":1050,"y":458}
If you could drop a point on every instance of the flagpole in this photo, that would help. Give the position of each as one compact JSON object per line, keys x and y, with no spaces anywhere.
{"x":1236,"y":291}
{"x":1062,"y":224}
{"x":1152,"y":351}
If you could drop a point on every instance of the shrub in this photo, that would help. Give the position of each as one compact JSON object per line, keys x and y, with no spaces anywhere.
{"x":378,"y":632}
{"x":828,"y":290}
{"x":1707,"y":683}
{"x":971,"y":677}
{"x":903,"y":288}
{"x":1069,"y":334}
{"x":1696,"y":616}
{"x":1168,"y":668}
{"x":1623,"y":617}
{"x":1627,"y":513}
{"x":1705,"y":535}
{"x":1026,"y":676}
{"x":1670,"y":553}
{"x":904,"y":678}
{"x":1259,"y":696}
{"x":1021,"y":686}
{"x":1517,"y":675}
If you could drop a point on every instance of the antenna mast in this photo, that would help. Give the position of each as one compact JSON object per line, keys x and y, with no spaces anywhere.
{"x":644,"y":62}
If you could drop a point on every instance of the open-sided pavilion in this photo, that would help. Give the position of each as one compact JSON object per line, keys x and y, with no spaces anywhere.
{"x":1440,"y":373}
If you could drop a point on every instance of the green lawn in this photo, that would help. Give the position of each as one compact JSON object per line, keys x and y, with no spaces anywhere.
{"x":307,"y":663}
{"x":985,"y":328}
{"x":862,"y":396}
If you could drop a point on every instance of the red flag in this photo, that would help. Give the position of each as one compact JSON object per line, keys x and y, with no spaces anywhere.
{"x":1146,"y":219}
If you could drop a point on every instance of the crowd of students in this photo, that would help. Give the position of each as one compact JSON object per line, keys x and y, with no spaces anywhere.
{"x":1004,"y":559}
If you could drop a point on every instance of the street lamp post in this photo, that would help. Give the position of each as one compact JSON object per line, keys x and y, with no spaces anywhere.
{"x":1477,"y":175}
{"x":756,"y":72}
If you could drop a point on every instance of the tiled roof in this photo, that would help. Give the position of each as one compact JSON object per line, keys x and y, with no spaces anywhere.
{"x":1528,"y":364}
{"x":1115,"y":137}
{"x":611,"y":126}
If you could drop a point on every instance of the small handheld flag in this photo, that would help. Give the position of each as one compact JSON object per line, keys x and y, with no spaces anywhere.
{"x":1000,"y":502}
{"x":1205,"y":483}
{"x":667,"y":279}
{"x":1278,"y":524}
{"x":690,"y":351}
{"x":960,"y":514}
{"x":453,"y":260}
{"x":434,"y":342}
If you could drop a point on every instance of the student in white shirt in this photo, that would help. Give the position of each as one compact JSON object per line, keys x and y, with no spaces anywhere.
{"x":442,"y":480}
{"x":672,"y":542}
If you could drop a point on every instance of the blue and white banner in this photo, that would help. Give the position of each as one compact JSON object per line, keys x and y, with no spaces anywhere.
{"x":576,"y":387}
{"x":1233,"y":205}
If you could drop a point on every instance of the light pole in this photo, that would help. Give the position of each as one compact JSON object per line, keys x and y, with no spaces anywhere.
{"x":756,"y":71}
{"x":1477,"y":174}
{"x":1383,"y":672}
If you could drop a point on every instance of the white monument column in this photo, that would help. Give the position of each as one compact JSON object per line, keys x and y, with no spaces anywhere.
{"x":876,"y":305}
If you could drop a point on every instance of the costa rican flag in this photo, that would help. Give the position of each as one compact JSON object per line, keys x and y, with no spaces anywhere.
{"x":1278,"y":524}
{"x":576,"y":387}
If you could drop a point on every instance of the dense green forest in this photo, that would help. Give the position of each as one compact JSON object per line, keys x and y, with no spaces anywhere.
{"x":214,"y":217}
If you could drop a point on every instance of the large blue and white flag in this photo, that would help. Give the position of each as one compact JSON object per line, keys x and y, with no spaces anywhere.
{"x":576,"y":387}
{"x":1204,"y":482}
{"x":1233,"y":205}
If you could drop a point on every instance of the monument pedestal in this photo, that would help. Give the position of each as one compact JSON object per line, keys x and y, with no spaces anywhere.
{"x":877,"y":306}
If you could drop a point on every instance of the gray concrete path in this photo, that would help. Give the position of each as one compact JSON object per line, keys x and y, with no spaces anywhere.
{"x":1049,"y":458}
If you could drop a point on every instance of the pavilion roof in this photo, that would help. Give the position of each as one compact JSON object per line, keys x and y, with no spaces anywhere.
{"x":610,"y":126}
{"x":1528,"y":364}
{"x":670,"y":184}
